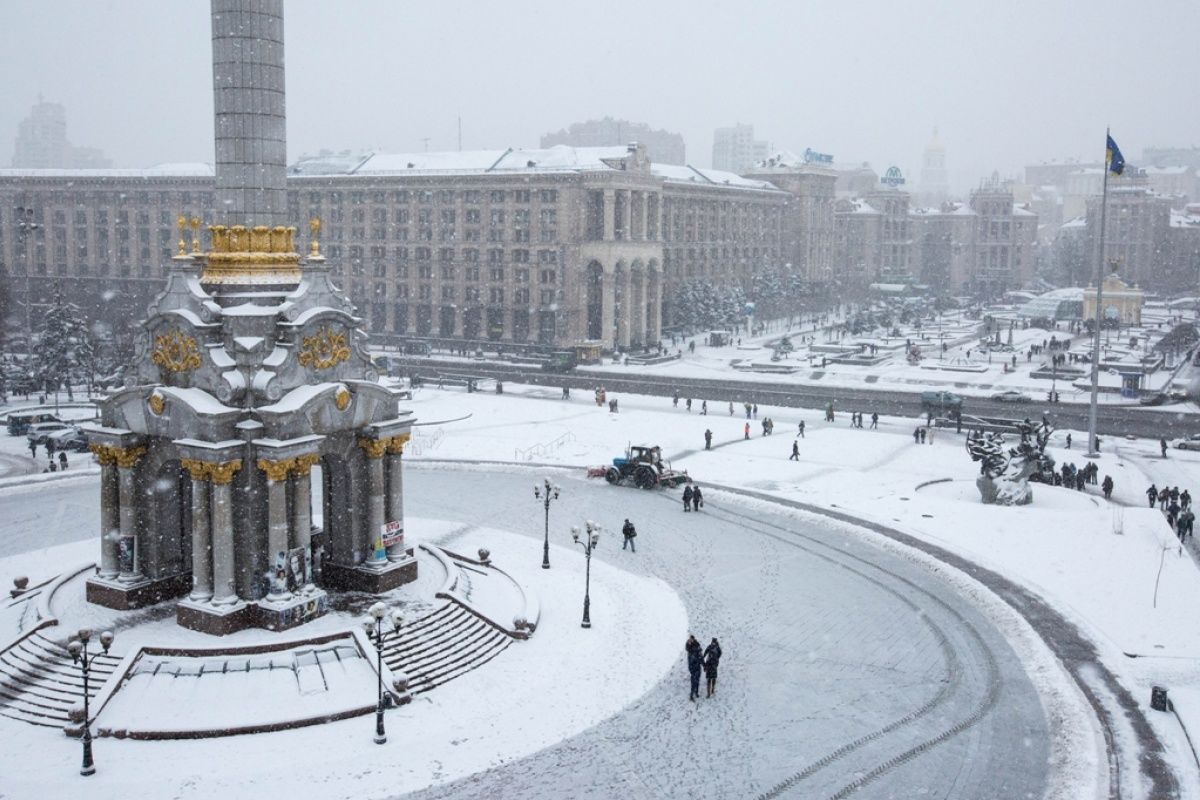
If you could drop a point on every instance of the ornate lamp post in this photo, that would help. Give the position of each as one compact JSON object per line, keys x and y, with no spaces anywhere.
{"x":588,"y":543}
{"x":373,"y":625}
{"x":80,"y":655}
{"x":546,"y":493}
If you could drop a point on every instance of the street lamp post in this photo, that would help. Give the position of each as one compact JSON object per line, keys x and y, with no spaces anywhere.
{"x":80,"y":655}
{"x":588,"y":543}
{"x":546,"y":492}
{"x":373,"y":626}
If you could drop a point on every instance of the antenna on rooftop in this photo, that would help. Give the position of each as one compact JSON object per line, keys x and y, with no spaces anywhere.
{"x":425,"y":140}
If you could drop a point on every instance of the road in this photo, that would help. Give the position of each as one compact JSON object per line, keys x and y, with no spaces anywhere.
{"x":847,"y":670}
{"x":1111,"y":420}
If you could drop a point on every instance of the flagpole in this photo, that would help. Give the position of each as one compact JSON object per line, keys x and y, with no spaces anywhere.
{"x":1093,"y":450}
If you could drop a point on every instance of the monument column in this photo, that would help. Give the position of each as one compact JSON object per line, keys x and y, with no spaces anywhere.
{"x":222,"y":531}
{"x":277,"y":523}
{"x":395,"y":493}
{"x":374,"y":449}
{"x":302,"y":509}
{"x":127,"y":551}
{"x":110,"y":510}
{"x":610,"y":203}
{"x":202,"y":578}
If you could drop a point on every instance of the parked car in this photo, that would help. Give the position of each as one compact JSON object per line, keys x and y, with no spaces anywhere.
{"x":1012,"y":396}
{"x":1163,"y":398}
{"x":1190,"y":443}
{"x":19,"y":422}
{"x":71,"y":439}
{"x":39,"y":432}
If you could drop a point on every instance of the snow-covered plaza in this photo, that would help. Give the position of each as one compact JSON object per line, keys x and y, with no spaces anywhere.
{"x":935,"y":646}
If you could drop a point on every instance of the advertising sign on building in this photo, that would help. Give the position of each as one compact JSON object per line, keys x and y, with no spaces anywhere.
{"x":892,"y":177}
{"x":813,"y":157}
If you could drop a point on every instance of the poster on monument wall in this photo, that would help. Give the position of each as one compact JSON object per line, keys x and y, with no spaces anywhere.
{"x":126,"y":548}
{"x":392,"y":533}
{"x":297,"y":568}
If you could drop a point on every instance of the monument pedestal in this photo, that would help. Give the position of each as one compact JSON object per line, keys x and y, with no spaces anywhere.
{"x":372,"y":580}
{"x":123,"y":595}
{"x":214,"y":620}
{"x":301,"y":607}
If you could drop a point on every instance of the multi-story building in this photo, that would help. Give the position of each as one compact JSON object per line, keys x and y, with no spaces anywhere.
{"x":808,"y":223}
{"x":736,"y":150}
{"x":41,"y":142}
{"x":1137,"y":222}
{"x":551,"y":246}
{"x":662,"y":147}
{"x":935,"y":181}
{"x":1182,"y":273}
{"x":1005,"y":235}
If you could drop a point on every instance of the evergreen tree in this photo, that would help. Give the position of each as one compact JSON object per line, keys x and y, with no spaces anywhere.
{"x":64,"y":346}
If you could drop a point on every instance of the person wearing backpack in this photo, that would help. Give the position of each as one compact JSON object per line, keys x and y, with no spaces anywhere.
{"x":629,"y":532}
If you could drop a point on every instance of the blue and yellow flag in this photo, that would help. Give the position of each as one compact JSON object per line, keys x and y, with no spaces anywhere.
{"x":1113,"y":158}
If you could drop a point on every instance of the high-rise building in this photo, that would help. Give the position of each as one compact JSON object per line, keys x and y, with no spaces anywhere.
{"x":662,"y":147}
{"x":42,"y":143}
{"x":736,"y":150}
{"x":935,"y":183}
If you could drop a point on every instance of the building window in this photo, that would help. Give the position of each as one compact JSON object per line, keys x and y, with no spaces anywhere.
{"x":521,"y":296}
{"x":496,"y":296}
{"x":497,"y":273}
{"x":547,"y":256}
{"x":549,"y":196}
{"x":401,"y":216}
{"x":470,"y":255}
{"x":521,"y":196}
{"x":471,"y":273}
{"x":471,"y":294}
{"x":472,"y":196}
{"x":425,"y":271}
{"x":447,"y":272}
{"x":474,"y":216}
{"x":447,"y":292}
{"x":547,"y":296}
{"x":522,"y":275}
{"x":547,"y":276}
{"x":520,"y":256}
{"x":496,"y":195}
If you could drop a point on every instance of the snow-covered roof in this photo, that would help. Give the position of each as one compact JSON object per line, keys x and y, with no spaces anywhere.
{"x":560,"y":158}
{"x":1077,"y":222}
{"x":859,"y":206}
{"x":676,"y":174}
{"x":179,"y":170}
{"x":1021,"y":211}
{"x":1167,"y":170}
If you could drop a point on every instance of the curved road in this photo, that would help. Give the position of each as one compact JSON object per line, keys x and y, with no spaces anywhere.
{"x":848,"y":672}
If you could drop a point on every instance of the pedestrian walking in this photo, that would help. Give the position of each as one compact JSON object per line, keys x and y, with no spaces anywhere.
{"x":917,"y":435}
{"x":731,"y":408}
{"x":1172,"y":514}
{"x":697,"y":499}
{"x":675,"y":399}
{"x":687,"y":498}
{"x":874,"y":420}
{"x":1068,"y":441}
{"x":1186,"y":520}
{"x":704,"y":408}
{"x":921,"y":431}
{"x":33,"y":450}
{"x":629,"y":532}
{"x":801,"y":429}
{"x":695,"y":662}
{"x":708,"y":440}
{"x":795,"y":456}
{"x":1107,"y":487}
{"x":712,"y":659}
{"x":566,"y":393}
{"x":53,"y":467}
{"x":50,"y":448}
{"x":62,"y":460}
{"x":689,"y":405}
{"x":756,"y":410}
{"x":1162,"y":443}
{"x":747,"y":406}
{"x":746,"y":430}
{"x":1185,"y":499}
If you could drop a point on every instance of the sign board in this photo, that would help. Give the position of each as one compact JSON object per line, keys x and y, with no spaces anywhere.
{"x":892,"y":177}
{"x":813,"y":157}
{"x":126,"y":554}
{"x":392,"y":533}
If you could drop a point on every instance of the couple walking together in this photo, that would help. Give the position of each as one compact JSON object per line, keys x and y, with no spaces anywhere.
{"x":707,"y":659}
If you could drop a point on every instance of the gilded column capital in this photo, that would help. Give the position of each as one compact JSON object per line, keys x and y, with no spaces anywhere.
{"x":128,"y":456}
{"x":374,"y":448}
{"x":276,"y":470}
{"x":199,"y":470}
{"x":302,"y":465}
{"x":222,"y":473}
{"x":396,"y":443}
{"x":104,"y":454}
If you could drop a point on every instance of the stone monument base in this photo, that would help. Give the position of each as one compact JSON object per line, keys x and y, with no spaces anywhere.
{"x":214,"y":620}
{"x":301,"y":607}
{"x":372,"y":580}
{"x":123,"y":596}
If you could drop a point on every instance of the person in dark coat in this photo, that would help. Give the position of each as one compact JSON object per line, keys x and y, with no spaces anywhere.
{"x":801,"y":429}
{"x":1152,"y":495}
{"x":62,"y":460}
{"x":1172,"y":513}
{"x":1068,"y":441}
{"x":1185,"y":499}
{"x":32,"y":450}
{"x":795,"y":456}
{"x":1186,"y":519}
{"x":697,"y":499}
{"x":687,"y":498}
{"x":712,"y":658}
{"x":1107,"y":486}
{"x":708,"y":440}
{"x":629,"y":532}
{"x":695,"y":661}
{"x":1163,"y":444}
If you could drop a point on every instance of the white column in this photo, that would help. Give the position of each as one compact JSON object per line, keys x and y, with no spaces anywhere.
{"x":395,"y":492}
{"x":130,"y":571}
{"x":202,"y":578}
{"x":374,"y":450}
{"x":277,"y":525}
{"x":224,"y":591}
{"x":110,"y":511}
{"x":302,"y":510}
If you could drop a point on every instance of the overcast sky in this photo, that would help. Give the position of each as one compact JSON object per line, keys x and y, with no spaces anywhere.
{"x":1007,"y":82}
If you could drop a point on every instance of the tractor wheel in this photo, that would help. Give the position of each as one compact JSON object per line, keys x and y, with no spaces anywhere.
{"x":645,"y":478}
{"x":613,"y":476}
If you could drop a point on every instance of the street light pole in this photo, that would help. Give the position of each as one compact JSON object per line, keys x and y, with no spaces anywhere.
{"x":546,"y":493}
{"x":589,"y":542}
{"x":373,"y":626}
{"x":80,"y":655}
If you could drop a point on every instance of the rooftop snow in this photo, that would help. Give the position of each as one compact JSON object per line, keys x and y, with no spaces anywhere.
{"x":676,"y":174}
{"x":181,"y":170}
{"x":559,"y":158}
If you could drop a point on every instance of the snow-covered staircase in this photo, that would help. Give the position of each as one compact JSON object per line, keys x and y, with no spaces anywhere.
{"x":442,"y":646}
{"x":39,"y":684}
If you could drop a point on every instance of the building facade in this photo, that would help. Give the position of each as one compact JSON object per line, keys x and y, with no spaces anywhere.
{"x":549,"y":247}
{"x":736,"y":150}
{"x":41,"y":142}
